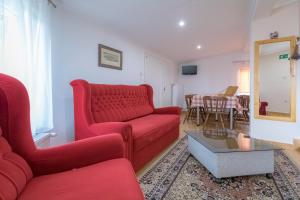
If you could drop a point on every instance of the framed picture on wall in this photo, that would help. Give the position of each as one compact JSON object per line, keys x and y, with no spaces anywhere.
{"x":109,"y":57}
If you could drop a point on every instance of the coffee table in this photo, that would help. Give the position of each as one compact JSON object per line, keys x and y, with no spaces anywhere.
{"x":228,"y":153}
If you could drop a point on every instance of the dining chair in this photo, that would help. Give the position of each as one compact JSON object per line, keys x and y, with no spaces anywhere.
{"x":244,"y":101}
{"x":230,"y":91}
{"x":192,"y":111}
{"x":215,"y":105}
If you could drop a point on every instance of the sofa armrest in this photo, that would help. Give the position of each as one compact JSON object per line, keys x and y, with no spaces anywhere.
{"x":77,"y":154}
{"x":168,"y":110}
{"x":122,"y":128}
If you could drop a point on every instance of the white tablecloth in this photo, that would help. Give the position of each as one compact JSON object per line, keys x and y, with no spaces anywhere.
{"x":232,"y":102}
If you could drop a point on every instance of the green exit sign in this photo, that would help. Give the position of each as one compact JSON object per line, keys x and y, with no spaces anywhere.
{"x":283,"y":56}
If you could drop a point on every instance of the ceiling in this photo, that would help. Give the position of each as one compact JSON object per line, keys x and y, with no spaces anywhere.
{"x":265,"y":8}
{"x":219,"y":26}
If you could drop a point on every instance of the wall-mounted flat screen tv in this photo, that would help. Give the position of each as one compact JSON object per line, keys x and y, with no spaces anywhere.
{"x":189,"y":69}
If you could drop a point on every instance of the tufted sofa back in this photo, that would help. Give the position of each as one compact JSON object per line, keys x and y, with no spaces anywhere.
{"x":14,"y":172}
{"x":114,"y":103}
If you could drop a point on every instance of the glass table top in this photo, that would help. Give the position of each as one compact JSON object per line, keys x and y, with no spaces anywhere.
{"x":225,"y":141}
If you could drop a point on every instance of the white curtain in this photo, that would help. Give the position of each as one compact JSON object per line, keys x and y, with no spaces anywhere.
{"x":244,"y":80}
{"x":25,"y":53}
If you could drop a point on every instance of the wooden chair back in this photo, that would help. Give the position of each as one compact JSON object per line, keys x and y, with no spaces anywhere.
{"x":244,"y":101}
{"x":230,"y":91}
{"x":215,"y":104}
{"x":188,"y":100}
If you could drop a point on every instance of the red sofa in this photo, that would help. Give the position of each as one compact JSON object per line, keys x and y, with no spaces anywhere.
{"x":100,"y":109}
{"x":93,"y":168}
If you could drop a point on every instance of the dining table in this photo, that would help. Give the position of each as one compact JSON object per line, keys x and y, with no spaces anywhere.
{"x":232,"y":103}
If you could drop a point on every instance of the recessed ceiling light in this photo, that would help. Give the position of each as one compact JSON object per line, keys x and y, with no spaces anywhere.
{"x":181,"y":23}
{"x":198,"y":46}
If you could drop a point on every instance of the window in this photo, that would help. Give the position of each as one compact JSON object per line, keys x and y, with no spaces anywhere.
{"x":244,"y":80}
{"x":25,"y":53}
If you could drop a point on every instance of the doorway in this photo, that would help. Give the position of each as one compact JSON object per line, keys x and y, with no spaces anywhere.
{"x":157,"y":74}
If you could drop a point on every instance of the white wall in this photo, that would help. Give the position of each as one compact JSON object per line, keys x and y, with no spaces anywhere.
{"x":286,"y":22}
{"x":75,"y":48}
{"x":214,"y":74}
{"x":275,"y":73}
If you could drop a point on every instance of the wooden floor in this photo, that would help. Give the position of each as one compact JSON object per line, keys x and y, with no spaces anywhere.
{"x":293,"y":151}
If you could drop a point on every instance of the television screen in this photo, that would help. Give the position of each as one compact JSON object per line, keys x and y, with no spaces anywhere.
{"x":189,"y":70}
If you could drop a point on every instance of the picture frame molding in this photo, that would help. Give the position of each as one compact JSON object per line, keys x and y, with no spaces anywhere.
{"x":100,"y":46}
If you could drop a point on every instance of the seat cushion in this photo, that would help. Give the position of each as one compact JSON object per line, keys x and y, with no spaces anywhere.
{"x":109,"y":180}
{"x":151,"y":127}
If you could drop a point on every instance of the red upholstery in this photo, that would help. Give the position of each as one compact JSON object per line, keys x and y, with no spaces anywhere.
{"x":168,"y":110}
{"x":118,"y":103}
{"x":27,"y":172}
{"x":112,"y":127}
{"x":83,"y":183}
{"x":263,"y":108}
{"x":14,"y":172}
{"x":144,"y":155}
{"x":79,"y":154}
{"x":151,"y":127}
{"x":100,"y":109}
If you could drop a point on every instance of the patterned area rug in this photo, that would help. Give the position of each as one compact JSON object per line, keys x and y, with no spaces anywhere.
{"x":178,"y":175}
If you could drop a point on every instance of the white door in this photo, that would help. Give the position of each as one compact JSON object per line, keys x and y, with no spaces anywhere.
{"x":166,"y":74}
{"x":159,"y":75}
{"x":153,"y":78}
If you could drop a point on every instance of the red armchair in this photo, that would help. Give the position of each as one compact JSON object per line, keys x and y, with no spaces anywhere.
{"x":103,"y":109}
{"x":93,"y":168}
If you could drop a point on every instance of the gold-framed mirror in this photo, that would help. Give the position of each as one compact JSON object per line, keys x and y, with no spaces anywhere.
{"x":275,"y":79}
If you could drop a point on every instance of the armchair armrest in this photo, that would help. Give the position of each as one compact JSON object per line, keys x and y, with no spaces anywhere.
{"x":168,"y":110}
{"x":122,"y":128}
{"x":77,"y":154}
